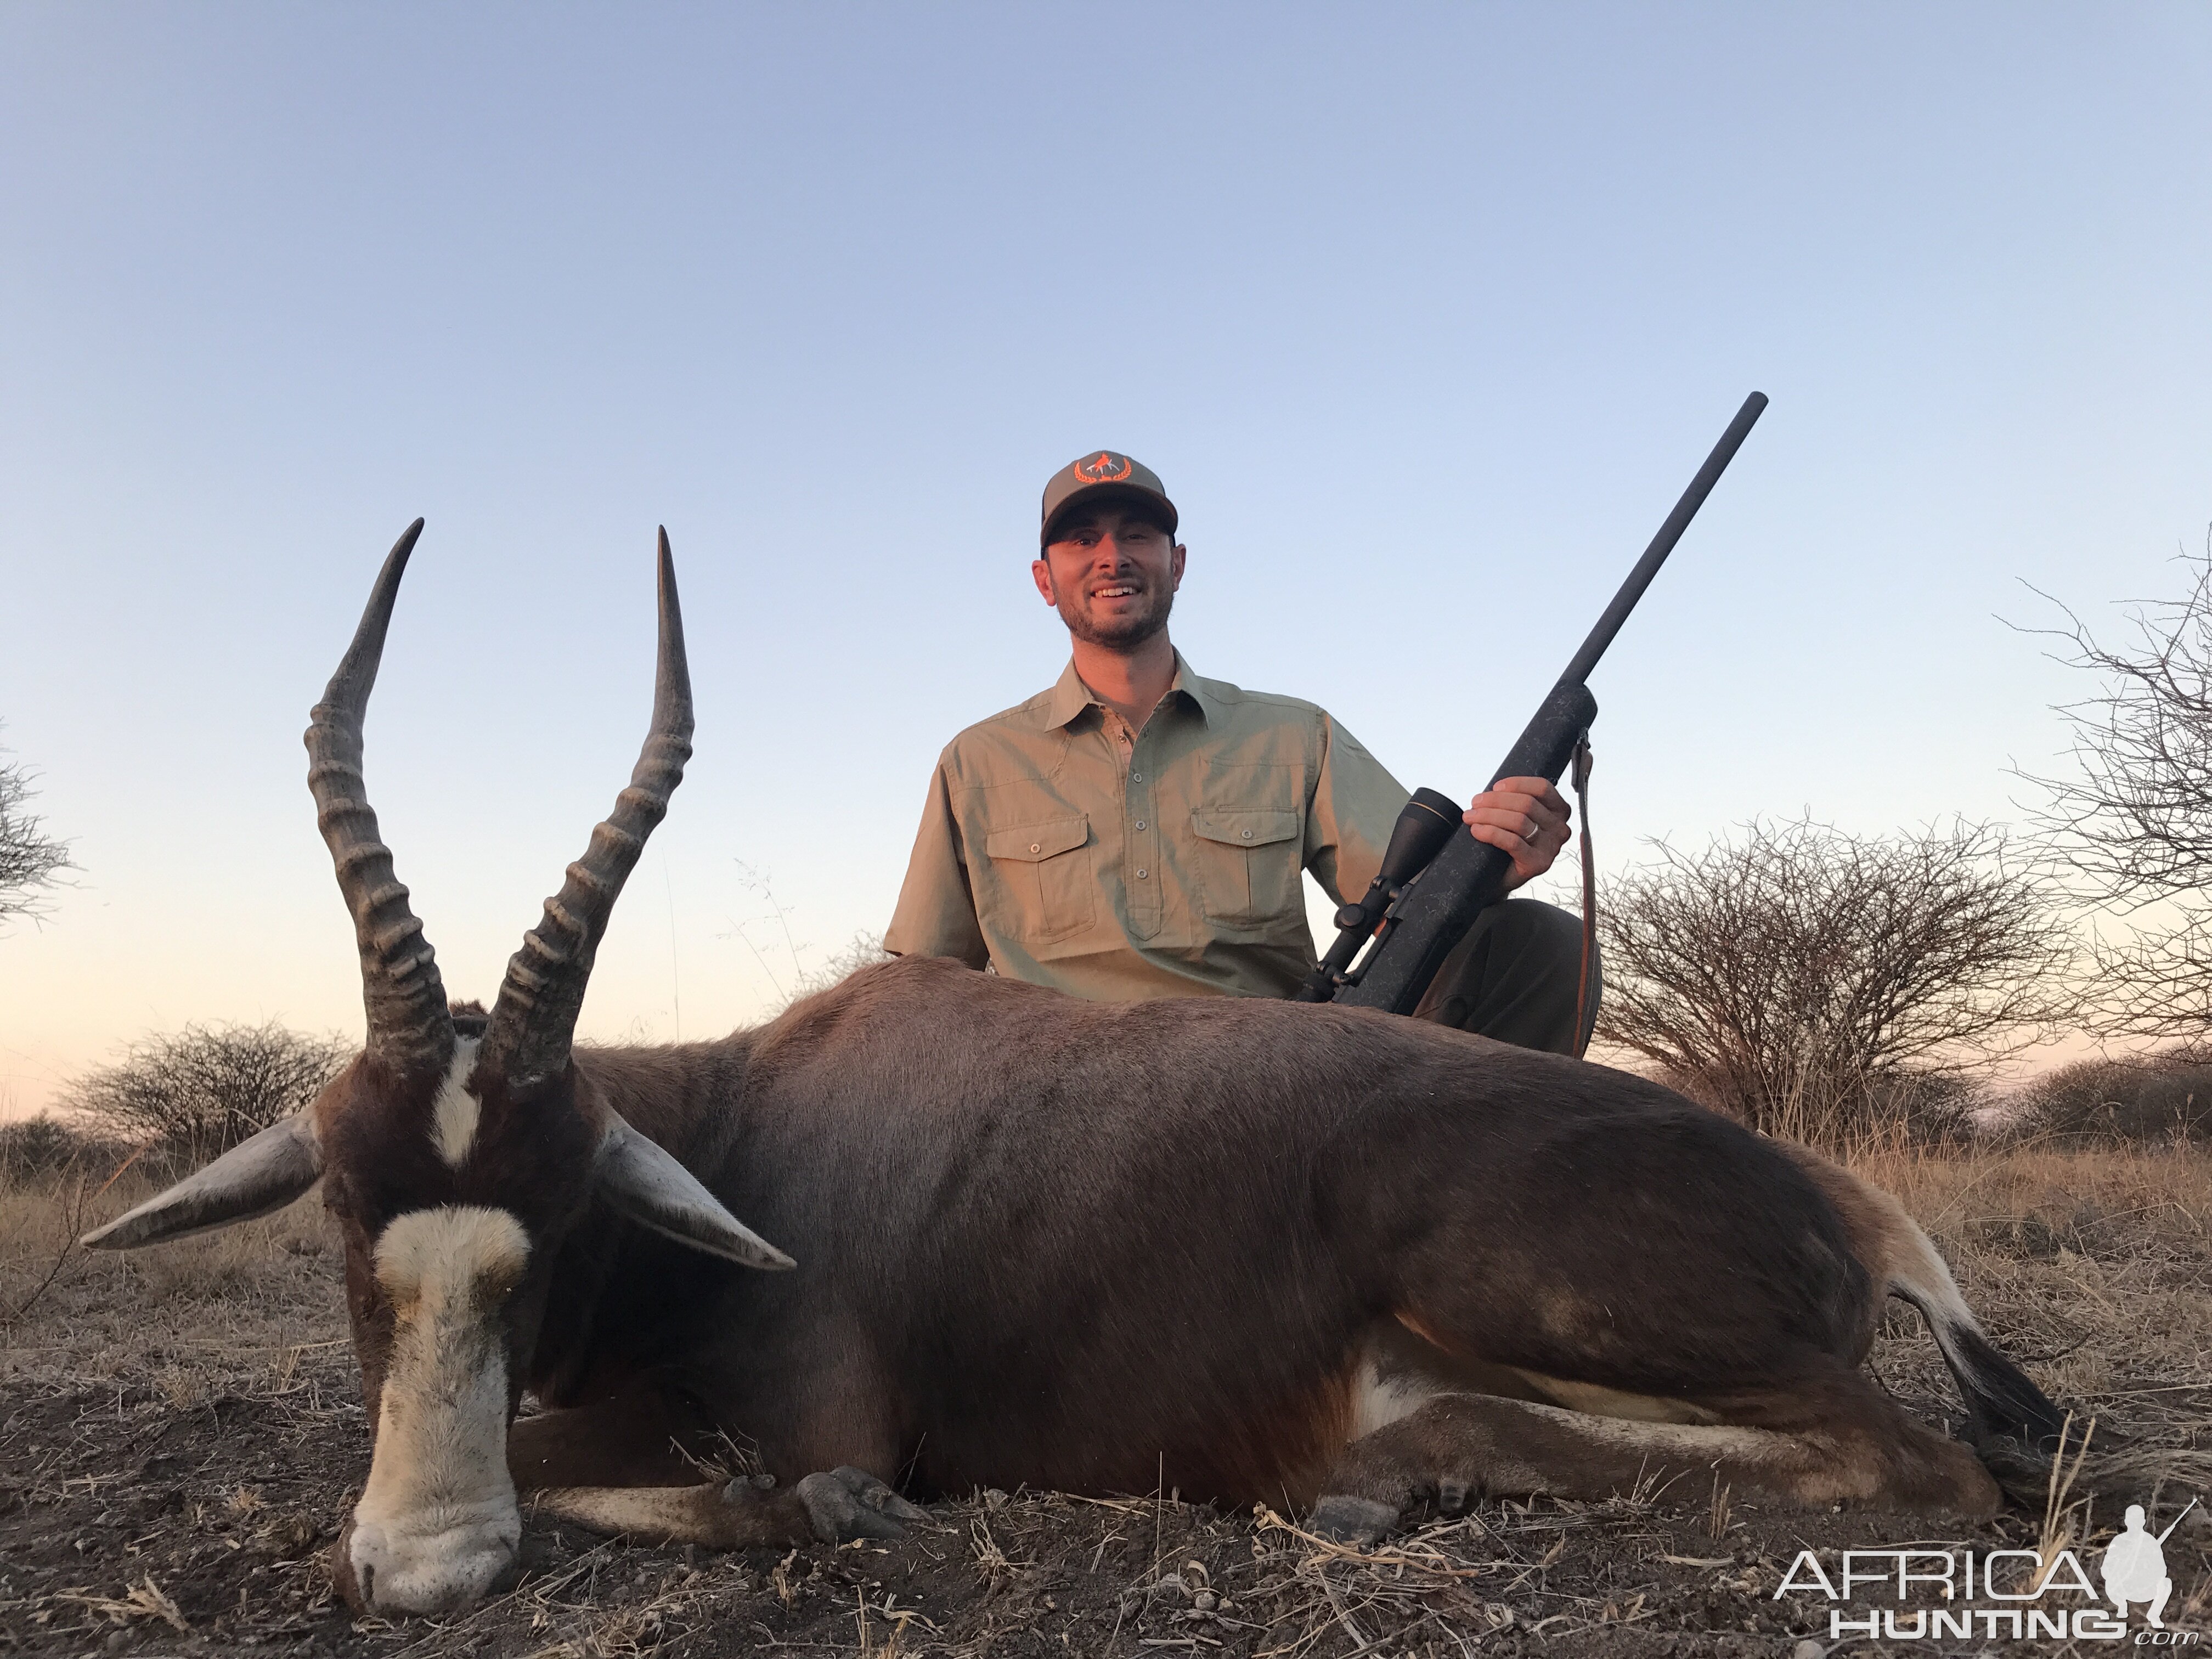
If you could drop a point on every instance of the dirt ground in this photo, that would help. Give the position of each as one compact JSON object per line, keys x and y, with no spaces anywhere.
{"x":181,"y":1435}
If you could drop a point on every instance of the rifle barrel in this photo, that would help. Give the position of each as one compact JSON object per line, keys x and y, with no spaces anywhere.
{"x":1663,"y":543}
{"x":1434,"y":908}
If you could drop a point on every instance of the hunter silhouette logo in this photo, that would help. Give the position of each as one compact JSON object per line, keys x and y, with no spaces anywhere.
{"x":1105,"y":467}
{"x":2134,"y":1567}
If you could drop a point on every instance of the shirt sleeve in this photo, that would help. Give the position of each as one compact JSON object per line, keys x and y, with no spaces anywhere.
{"x":1356,"y":803}
{"x":936,"y":913}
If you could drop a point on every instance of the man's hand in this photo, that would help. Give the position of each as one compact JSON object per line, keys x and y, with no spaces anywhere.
{"x":1525,"y":816}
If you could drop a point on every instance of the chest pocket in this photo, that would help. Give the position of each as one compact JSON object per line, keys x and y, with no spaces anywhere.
{"x":1039,"y":883}
{"x":1248,"y":865}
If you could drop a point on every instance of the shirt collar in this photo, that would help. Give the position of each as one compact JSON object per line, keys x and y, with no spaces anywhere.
{"x":1070,"y":696}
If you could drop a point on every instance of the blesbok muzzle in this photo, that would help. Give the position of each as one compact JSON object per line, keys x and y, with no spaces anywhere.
{"x":437,"y":1525}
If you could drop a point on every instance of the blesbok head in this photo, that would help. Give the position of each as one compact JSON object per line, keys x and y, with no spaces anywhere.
{"x":456,"y":1152}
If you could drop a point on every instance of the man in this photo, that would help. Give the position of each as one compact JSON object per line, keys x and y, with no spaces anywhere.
{"x":1138,"y":831}
{"x":2134,"y":1567}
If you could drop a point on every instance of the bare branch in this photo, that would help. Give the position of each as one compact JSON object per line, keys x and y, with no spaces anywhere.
{"x":30,"y":859}
{"x":2133,"y":822}
{"x":1799,"y":975}
{"x":188,"y":1096}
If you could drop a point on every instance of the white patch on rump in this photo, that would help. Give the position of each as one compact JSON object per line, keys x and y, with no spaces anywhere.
{"x":453,"y":1118}
{"x":437,"y":1522}
{"x":1377,"y":1402}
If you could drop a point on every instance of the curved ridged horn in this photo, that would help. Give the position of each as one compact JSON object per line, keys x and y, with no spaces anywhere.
{"x":407,"y":1021}
{"x":535,"y":1018}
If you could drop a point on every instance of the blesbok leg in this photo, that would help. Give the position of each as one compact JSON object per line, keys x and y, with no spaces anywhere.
{"x":1834,"y":1440}
{"x":614,"y":1465}
{"x":833,"y":1506}
{"x":628,"y":1434}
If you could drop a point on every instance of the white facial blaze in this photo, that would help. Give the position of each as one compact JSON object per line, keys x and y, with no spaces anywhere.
{"x":453,"y":1118}
{"x":437,"y":1522}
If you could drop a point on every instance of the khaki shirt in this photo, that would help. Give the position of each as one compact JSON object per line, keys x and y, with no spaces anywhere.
{"x":1058,"y":849}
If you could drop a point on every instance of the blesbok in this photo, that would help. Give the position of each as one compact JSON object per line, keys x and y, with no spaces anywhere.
{"x":1316,"y":1256}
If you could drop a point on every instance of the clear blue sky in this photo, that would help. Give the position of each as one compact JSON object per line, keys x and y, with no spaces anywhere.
{"x":1424,"y":314}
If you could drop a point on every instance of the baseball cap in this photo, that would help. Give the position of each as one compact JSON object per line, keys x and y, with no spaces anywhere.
{"x":1100,"y":474}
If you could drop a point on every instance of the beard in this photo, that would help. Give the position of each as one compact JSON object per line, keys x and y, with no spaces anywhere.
{"x":1122,"y":633}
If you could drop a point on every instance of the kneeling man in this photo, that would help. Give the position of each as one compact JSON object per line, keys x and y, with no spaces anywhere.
{"x":1138,"y":831}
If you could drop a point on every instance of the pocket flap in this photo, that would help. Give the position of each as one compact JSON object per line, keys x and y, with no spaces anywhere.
{"x":1029,"y":843}
{"x":1244,"y":826}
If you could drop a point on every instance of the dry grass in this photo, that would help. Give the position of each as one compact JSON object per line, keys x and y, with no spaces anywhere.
{"x":2094,"y":1265}
{"x":227,"y":1312}
{"x":180,"y":1431}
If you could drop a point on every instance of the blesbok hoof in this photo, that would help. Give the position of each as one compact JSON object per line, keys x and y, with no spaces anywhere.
{"x":1343,"y":1519}
{"x":845,"y":1504}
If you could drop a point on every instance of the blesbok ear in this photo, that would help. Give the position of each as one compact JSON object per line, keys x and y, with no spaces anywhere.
{"x":639,"y":1179}
{"x":261,"y":1174}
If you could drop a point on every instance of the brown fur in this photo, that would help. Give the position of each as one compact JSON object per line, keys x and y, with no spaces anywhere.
{"x":1090,"y":1246}
{"x":1254,"y":1250}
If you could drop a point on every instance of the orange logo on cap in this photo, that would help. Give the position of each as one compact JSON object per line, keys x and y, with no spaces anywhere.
{"x":1105,"y":467}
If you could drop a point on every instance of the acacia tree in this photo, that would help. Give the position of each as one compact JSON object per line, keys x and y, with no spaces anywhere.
{"x":1813,"y":982}
{"x":2133,"y":822}
{"x":185,"y":1097}
{"x":30,"y":858}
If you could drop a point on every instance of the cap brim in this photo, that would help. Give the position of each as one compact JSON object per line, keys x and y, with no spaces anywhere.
{"x":1093,"y":494}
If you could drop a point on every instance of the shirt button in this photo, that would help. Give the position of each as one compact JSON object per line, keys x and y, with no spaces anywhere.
{"x":1140,"y":875}
{"x":1140,"y":823}
{"x":1033,"y":847}
{"x":1248,"y":836}
{"x":1136,"y":777}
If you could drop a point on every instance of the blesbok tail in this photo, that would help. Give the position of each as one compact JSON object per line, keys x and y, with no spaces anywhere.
{"x":2010,"y":1422}
{"x":2002,"y":1405}
{"x":2037,"y":1452}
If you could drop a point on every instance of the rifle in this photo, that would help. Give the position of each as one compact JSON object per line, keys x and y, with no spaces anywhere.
{"x":1433,"y":884}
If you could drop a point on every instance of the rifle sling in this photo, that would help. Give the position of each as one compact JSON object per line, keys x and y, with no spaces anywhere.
{"x":1583,"y":983}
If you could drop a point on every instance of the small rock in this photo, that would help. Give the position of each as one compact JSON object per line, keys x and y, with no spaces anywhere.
{"x":1205,"y":1600}
{"x":1807,"y":1649}
{"x":993,"y":1499}
{"x":117,"y":1640}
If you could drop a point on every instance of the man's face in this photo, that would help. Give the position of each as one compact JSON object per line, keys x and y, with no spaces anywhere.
{"x":1112,"y":573}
